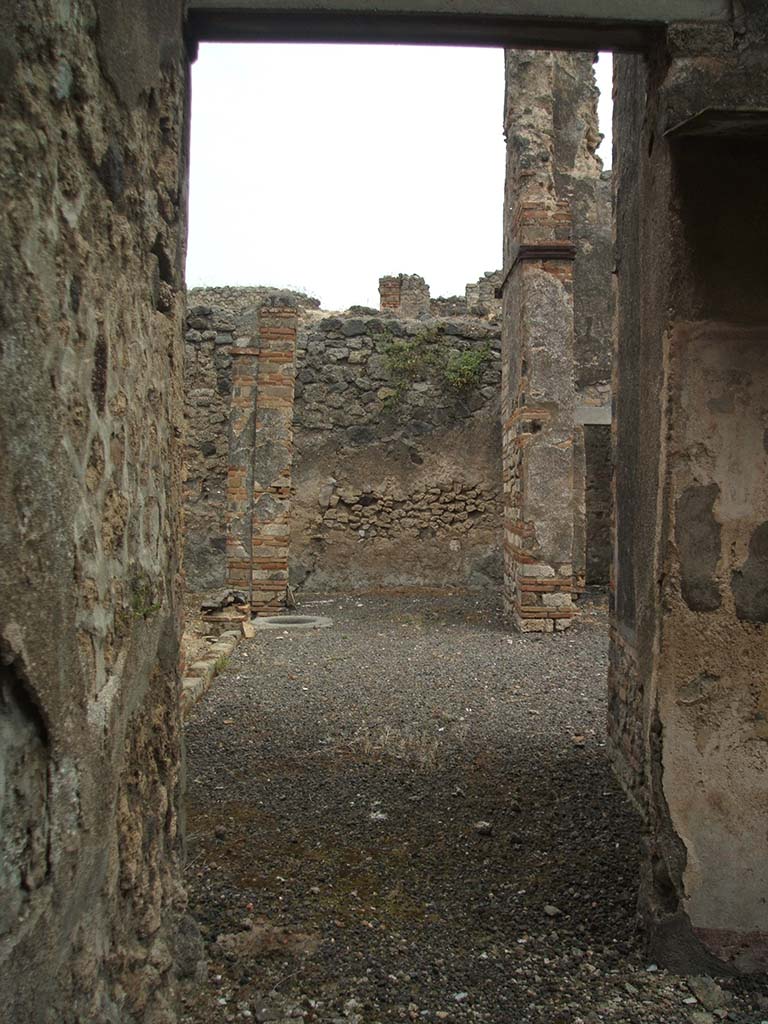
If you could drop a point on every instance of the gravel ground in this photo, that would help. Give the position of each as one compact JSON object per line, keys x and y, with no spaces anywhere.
{"x":410,"y":817}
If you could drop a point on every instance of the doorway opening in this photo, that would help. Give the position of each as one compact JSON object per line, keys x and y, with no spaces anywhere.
{"x":375,"y":809}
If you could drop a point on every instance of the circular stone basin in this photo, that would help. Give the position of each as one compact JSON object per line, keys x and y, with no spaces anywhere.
{"x":292,"y":622}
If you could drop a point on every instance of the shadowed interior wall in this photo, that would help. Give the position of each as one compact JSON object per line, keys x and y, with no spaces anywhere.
{"x":597,"y":502}
{"x":688,"y":694}
{"x":92,"y":231}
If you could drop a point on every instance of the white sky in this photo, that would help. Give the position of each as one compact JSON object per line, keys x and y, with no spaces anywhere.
{"x":325,"y":167}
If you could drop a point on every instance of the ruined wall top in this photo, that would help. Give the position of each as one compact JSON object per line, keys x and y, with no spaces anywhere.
{"x":481,"y":295}
{"x":405,"y":294}
{"x":408,"y":295}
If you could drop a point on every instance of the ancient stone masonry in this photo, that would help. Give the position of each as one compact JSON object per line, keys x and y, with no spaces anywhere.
{"x":405,"y":294}
{"x":689,"y":642}
{"x":93,"y":195}
{"x":480,"y":298}
{"x":483,"y":297}
{"x":597,"y":503}
{"x":218,"y":319}
{"x":396,"y":478}
{"x":92,"y":229}
{"x":396,"y":475}
{"x":556,"y":316}
{"x":207,"y":394}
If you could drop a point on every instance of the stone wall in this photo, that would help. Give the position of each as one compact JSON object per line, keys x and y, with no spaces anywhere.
{"x":597,"y":487}
{"x":448,"y":305}
{"x":92,"y":215}
{"x":217,"y":320}
{"x":481,"y":297}
{"x":396,"y":475}
{"x":207,"y":394}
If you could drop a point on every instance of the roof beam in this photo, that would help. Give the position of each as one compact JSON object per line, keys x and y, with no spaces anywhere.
{"x":546,"y":24}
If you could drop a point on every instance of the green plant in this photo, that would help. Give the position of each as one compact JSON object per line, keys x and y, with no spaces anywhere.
{"x":220,"y":664}
{"x":410,"y":358}
{"x":463,"y":370}
{"x":424,"y":357}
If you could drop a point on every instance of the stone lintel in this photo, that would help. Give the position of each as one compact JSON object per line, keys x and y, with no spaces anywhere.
{"x":531,"y":24}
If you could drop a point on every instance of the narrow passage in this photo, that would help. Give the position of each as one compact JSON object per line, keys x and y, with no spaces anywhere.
{"x":410,"y":816}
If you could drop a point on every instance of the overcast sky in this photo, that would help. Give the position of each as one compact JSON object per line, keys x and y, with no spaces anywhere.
{"x":325,"y":167}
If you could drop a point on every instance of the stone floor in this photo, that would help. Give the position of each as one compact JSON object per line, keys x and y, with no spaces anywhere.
{"x":409,"y":816}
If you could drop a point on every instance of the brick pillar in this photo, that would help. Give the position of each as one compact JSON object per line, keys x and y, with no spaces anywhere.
{"x":406,"y":294}
{"x":261,"y":454}
{"x":389,"y":294}
{"x":539,"y":429}
{"x":540,"y":443}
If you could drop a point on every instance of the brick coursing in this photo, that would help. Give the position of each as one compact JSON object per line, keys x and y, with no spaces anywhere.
{"x":260,"y":458}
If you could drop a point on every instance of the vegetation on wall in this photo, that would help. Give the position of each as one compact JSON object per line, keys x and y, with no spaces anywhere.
{"x":426,"y":356}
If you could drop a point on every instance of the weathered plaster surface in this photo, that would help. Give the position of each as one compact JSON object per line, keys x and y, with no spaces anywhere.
{"x":713,"y":696}
{"x":687,"y":687}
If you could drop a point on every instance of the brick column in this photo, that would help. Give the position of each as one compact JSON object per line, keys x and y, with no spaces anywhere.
{"x":389,"y":294}
{"x":538,"y":428}
{"x":261,"y":454}
{"x":539,"y":434}
{"x":406,"y":294}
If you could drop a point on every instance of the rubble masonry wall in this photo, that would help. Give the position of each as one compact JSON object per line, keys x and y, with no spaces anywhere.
{"x":396,"y":479}
{"x":92,"y":230}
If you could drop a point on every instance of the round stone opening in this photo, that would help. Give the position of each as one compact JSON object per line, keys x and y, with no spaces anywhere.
{"x":292,"y":622}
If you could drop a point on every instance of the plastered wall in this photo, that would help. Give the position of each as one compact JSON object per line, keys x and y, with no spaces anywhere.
{"x":687,"y":691}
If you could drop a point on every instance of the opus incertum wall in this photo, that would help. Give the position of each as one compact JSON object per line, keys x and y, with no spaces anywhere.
{"x":92,"y":234}
{"x":396,"y":477}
